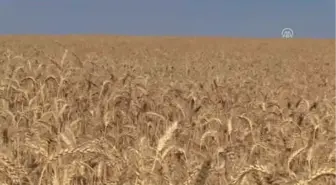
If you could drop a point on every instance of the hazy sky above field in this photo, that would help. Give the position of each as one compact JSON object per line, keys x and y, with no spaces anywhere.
{"x":243,"y":18}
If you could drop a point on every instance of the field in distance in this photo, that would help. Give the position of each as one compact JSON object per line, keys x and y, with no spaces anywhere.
{"x":98,"y":110}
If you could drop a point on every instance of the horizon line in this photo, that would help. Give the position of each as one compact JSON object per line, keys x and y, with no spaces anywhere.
{"x":165,"y":35}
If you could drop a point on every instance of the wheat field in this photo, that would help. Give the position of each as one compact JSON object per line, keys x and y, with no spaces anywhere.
{"x":122,"y":110}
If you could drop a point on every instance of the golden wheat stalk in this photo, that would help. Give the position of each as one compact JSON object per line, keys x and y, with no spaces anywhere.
{"x":163,"y":140}
{"x":247,"y":170}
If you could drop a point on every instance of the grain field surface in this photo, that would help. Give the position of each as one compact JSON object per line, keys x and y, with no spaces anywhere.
{"x":122,"y":110}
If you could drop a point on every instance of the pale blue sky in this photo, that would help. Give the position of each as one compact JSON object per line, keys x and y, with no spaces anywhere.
{"x":232,"y":18}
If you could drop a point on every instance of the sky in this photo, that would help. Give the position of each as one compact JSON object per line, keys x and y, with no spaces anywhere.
{"x":228,"y":18}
